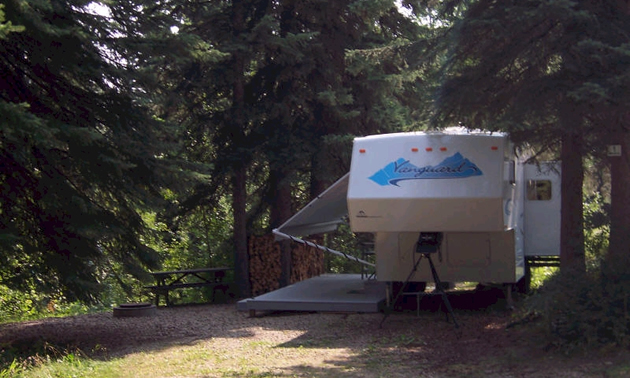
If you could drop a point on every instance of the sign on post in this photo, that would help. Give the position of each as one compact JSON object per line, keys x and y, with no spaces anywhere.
{"x":614,"y":150}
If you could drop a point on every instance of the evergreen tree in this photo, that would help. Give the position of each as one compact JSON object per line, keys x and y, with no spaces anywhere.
{"x":541,"y":70}
{"x":78,"y":153}
{"x":308,"y":100}
{"x":265,"y":90}
{"x":204,"y":89}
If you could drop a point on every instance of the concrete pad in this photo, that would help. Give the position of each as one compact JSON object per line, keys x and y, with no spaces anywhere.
{"x":325,"y":293}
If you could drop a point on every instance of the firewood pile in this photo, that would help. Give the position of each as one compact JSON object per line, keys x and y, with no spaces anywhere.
{"x":306,"y":262}
{"x":265,"y":267}
{"x":264,"y":264}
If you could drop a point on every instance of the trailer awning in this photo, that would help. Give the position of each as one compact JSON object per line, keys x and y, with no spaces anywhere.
{"x":323,"y":214}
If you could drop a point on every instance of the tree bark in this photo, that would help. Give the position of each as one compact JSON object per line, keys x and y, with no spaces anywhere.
{"x":619,"y":243}
{"x":572,"y":225}
{"x":318,"y":173}
{"x":618,"y":257}
{"x":241,"y":258}
{"x":280,"y":212}
{"x":239,"y":175}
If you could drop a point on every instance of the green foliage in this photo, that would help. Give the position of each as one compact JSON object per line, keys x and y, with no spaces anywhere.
{"x":11,"y":370}
{"x":596,"y":229}
{"x":521,"y":65}
{"x":543,"y":71}
{"x":7,"y":27}
{"x":313,"y":75}
{"x":16,"y":306}
{"x":344,"y":240}
{"x":582,"y":310}
{"x":540,"y":276}
{"x":79,"y":155}
{"x":42,"y":359}
{"x":200,"y":238}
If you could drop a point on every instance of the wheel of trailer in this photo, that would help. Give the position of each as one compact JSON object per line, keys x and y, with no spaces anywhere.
{"x":416,"y":287}
{"x":447,"y":285}
{"x":412,"y":287}
{"x":134,"y":310}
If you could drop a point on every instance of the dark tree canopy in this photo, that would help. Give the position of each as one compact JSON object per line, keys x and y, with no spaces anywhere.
{"x":279,"y":89}
{"x":517,"y":64}
{"x":77,"y":153}
{"x":553,"y":74}
{"x":257,"y":102}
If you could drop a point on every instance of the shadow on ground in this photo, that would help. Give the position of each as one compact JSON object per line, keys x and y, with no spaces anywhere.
{"x":405,"y":344}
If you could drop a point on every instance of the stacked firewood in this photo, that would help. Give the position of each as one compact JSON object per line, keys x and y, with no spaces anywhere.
{"x":306,"y":262}
{"x":265,"y":267}
{"x":264,"y":264}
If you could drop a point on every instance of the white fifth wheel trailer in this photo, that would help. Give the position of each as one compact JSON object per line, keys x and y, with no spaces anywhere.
{"x":489,"y":209}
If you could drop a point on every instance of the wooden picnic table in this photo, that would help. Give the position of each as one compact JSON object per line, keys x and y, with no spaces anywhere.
{"x":166,"y":281}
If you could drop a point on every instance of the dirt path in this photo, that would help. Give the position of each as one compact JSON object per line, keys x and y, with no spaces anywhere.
{"x":351,"y":345}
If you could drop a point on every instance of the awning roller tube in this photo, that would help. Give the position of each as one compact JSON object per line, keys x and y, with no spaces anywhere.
{"x":321,"y":247}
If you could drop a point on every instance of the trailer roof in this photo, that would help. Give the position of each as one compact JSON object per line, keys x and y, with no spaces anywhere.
{"x":455,"y":130}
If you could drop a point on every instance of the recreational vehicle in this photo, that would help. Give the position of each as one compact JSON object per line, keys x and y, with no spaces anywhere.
{"x":483,"y":209}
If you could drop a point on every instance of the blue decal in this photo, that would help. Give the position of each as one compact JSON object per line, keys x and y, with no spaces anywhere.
{"x":455,"y":166}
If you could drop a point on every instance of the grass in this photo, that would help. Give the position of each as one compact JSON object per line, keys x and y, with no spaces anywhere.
{"x":68,"y":366}
{"x":304,"y":355}
{"x":542,"y":274}
{"x":170,"y":362}
{"x":208,"y":358}
{"x":308,"y":357}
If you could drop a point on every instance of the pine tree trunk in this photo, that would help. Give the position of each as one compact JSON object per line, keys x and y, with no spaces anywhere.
{"x":280,"y":212}
{"x":619,"y":247}
{"x":617,"y":260}
{"x":620,"y":182}
{"x":571,"y":229}
{"x":241,"y":258}
{"x":317,"y":185}
{"x":239,"y":177}
{"x":318,"y":172}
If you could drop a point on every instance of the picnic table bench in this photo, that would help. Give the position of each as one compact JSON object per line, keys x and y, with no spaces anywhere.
{"x":167,"y":281}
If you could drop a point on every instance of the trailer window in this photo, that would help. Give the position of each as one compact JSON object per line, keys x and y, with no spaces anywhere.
{"x":539,"y":190}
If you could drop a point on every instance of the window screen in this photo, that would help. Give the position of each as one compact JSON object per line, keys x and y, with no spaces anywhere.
{"x":539,"y":190}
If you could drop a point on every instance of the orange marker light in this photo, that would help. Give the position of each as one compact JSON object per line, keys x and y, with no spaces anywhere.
{"x":414,"y":149}
{"x":362,"y":151}
{"x":442,"y":148}
{"x":429,"y":149}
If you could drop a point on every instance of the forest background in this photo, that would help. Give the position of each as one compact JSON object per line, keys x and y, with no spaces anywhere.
{"x":141,"y":135}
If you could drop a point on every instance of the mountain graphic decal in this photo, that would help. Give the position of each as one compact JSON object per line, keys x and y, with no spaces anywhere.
{"x":455,"y":166}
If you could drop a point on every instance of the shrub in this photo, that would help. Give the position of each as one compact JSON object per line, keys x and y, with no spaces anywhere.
{"x":580,"y":310}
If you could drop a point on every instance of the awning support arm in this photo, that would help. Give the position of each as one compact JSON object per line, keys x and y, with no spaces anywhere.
{"x":321,"y":247}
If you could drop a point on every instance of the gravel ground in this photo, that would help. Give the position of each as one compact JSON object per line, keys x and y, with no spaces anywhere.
{"x":405,"y":345}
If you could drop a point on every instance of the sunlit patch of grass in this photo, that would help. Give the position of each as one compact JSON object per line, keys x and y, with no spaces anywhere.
{"x":465,"y":285}
{"x":541,"y":274}
{"x":11,"y":370}
{"x":193,"y":360}
{"x":46,"y":360}
{"x":260,"y":344}
{"x":73,"y":366}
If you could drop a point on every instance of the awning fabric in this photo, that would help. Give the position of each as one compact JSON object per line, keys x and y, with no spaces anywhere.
{"x":323,"y":214}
